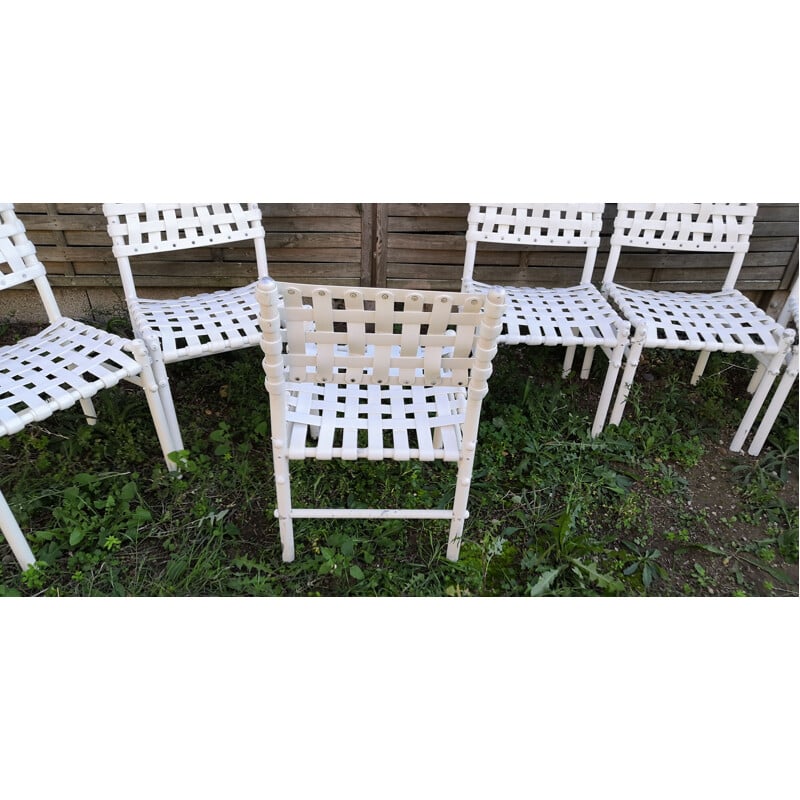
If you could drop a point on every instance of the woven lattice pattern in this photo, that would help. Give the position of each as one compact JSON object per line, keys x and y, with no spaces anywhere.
{"x":725,"y":227}
{"x":572,"y":225}
{"x":382,"y":336}
{"x":355,"y":372}
{"x":65,"y":364}
{"x":140,"y":228}
{"x":199,"y":324}
{"x":373,"y":421}
{"x":196,"y":325}
{"x":577,"y":315}
{"x":55,"y":369}
{"x":191,"y":326}
{"x":725,"y":321}
{"x":18,"y":261}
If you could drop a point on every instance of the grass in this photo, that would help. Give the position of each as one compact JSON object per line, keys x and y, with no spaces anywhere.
{"x":553,"y":512}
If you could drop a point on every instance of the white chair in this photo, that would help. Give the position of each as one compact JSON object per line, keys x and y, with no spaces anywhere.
{"x":199,"y":324}
{"x":791,"y":367}
{"x":723,"y":321}
{"x":66,"y":363}
{"x":371,"y":373}
{"x":573,"y":316}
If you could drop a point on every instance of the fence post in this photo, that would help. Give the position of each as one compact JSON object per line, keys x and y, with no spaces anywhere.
{"x":379,"y":249}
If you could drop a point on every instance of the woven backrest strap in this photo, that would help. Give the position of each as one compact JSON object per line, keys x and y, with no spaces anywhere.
{"x":369,"y":335}
{"x":568,"y":225}
{"x":146,"y":228}
{"x":724,"y":227}
{"x":18,"y":260}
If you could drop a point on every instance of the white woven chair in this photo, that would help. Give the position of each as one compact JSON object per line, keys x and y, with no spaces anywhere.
{"x":705,"y":322}
{"x":572,"y":316}
{"x":371,"y":373}
{"x":66,"y":363}
{"x":199,"y":324}
{"x":791,"y":367}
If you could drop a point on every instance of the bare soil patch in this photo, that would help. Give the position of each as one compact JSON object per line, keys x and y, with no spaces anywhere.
{"x":711,"y":543}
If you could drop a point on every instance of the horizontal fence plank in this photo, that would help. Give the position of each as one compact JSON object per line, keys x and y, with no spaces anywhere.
{"x":323,"y":273}
{"x":275,"y":241}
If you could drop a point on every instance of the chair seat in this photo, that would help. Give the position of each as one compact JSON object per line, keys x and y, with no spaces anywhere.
{"x":374,"y":422}
{"x":577,"y":315}
{"x":65,"y":363}
{"x":718,"y":321}
{"x":203,"y":323}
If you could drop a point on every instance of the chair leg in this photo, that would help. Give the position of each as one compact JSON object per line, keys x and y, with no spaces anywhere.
{"x":614,"y":364}
{"x":463,"y":481}
{"x":588,"y":358}
{"x":631,"y":364}
{"x":14,"y":536}
{"x":774,"y":408}
{"x":757,"y":376}
{"x":283,"y":492}
{"x":165,"y":396}
{"x":170,"y":417}
{"x":700,"y":366}
{"x":569,"y":357}
{"x":456,"y":532}
{"x":87,"y":406}
{"x":153,"y":392}
{"x":162,"y":426}
{"x":760,"y":395}
{"x":314,"y":429}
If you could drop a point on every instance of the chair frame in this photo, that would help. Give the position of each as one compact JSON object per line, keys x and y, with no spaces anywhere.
{"x":191,"y":326}
{"x":374,"y":357}
{"x":791,"y":367}
{"x":65,"y":364}
{"x":569,"y":316}
{"x":722,"y":321}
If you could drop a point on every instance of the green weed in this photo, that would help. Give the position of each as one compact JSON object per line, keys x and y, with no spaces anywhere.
{"x":553,"y":512}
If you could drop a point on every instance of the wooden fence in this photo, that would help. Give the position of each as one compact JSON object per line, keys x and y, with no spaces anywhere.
{"x":385,"y":244}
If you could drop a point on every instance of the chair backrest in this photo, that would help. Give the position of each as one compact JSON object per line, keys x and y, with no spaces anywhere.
{"x":138,"y":229}
{"x":19,"y":262}
{"x":693,"y":227}
{"x":365,"y":335}
{"x":545,"y":224}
